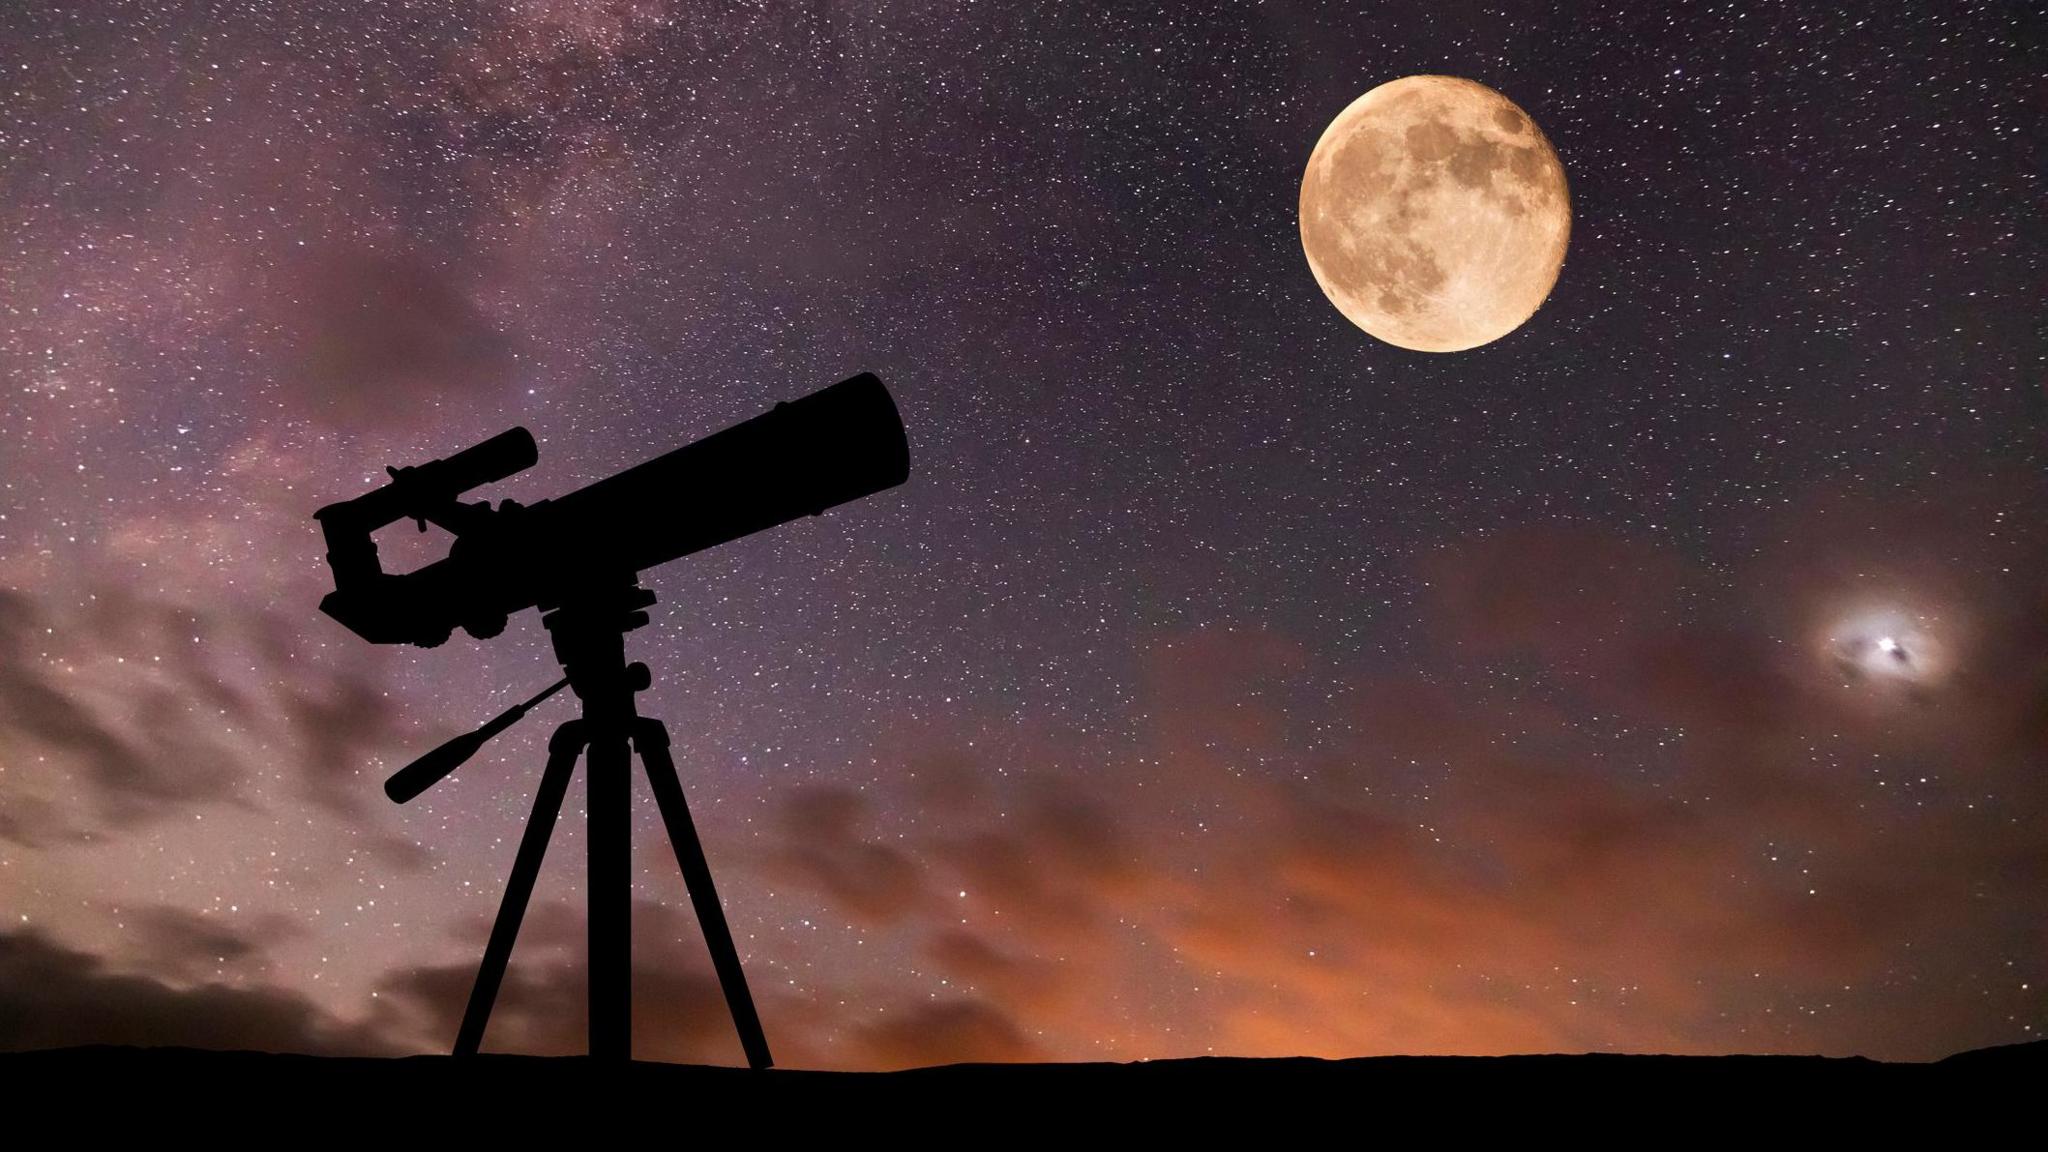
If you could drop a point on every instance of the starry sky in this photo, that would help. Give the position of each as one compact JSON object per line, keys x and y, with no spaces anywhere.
{"x":1668,"y":675}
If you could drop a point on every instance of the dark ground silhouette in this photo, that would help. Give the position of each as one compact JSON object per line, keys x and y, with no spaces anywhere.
{"x":1645,"y":1101}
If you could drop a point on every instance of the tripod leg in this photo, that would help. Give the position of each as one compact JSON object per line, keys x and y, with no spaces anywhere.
{"x":563,"y":749}
{"x":652,"y":741}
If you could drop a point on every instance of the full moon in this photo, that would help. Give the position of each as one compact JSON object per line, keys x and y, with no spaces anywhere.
{"x":1434,"y":214}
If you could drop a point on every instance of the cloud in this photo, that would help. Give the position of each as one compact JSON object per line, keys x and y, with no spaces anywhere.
{"x":132,"y":709}
{"x":340,"y":720}
{"x":1635,"y":806}
{"x":34,"y":822}
{"x":1055,"y":868}
{"x":53,"y":996}
{"x":138,"y":748}
{"x":950,"y":1032}
{"x":381,"y":338}
{"x":822,"y":847}
{"x":179,"y":944}
{"x":1554,"y":591}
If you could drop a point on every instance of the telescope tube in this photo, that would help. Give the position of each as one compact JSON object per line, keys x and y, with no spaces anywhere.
{"x":797,"y":459}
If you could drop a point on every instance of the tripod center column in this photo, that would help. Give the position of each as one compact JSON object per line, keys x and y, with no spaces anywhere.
{"x":589,"y":638}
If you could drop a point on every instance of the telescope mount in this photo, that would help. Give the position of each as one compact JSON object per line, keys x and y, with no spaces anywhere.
{"x":588,"y":629}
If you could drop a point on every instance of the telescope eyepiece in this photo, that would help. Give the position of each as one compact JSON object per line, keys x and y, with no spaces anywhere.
{"x":437,"y":483}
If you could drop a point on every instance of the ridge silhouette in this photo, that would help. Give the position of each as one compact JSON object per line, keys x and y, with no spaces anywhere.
{"x":1631,"y":1099}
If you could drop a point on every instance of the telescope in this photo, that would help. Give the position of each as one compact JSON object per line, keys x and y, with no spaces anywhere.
{"x":578,"y":558}
{"x":798,"y":459}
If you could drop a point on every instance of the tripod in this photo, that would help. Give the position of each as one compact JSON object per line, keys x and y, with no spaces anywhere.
{"x":588,"y":631}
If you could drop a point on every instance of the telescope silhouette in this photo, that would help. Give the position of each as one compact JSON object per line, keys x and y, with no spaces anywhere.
{"x":798,"y":459}
{"x":578,"y":559}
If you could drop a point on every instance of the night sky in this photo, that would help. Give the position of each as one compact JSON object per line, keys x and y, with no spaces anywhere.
{"x":1670,"y":674}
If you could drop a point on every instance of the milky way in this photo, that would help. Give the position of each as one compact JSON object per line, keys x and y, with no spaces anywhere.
{"x":1223,"y":680}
